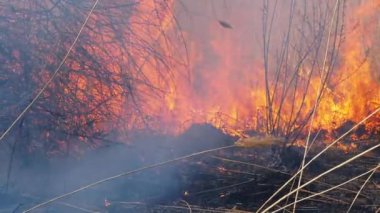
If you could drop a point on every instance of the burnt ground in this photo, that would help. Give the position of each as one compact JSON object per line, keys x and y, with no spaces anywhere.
{"x":231,"y":180}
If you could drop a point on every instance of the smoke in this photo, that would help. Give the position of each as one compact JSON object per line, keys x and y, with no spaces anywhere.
{"x":226,"y":89}
{"x":38,"y":179}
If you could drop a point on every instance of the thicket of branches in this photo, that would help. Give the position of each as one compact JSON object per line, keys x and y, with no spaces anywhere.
{"x":100,"y":79}
{"x":308,"y":50}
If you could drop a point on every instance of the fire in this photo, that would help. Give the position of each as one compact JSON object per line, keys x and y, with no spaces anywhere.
{"x":223,"y":83}
{"x":227,"y":88}
{"x":130,"y":70}
{"x":354,"y":90}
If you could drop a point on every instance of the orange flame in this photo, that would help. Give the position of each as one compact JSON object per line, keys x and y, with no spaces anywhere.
{"x":228,"y":90}
{"x":224,"y":84}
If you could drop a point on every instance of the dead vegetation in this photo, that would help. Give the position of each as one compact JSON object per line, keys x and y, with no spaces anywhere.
{"x":283,"y":165}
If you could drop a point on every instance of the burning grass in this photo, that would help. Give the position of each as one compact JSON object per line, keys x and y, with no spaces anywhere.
{"x":295,"y":127}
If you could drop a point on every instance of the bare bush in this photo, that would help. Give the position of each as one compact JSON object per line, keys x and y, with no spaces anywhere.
{"x":103,"y":81}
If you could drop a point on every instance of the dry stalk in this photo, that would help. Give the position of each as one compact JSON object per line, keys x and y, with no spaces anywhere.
{"x":281,"y":172}
{"x":361,"y":188}
{"x":78,"y":207}
{"x":319,"y":154}
{"x":323,"y":174}
{"x":327,"y":190}
{"x":188,"y":205}
{"x":326,"y":197}
{"x":317,"y":101}
{"x":223,"y":187}
{"x":254,"y":141}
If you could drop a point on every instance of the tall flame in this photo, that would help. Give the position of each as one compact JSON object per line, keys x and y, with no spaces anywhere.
{"x":227,"y":86}
{"x":223,"y":83}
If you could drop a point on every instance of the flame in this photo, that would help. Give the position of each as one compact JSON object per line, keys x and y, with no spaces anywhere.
{"x":223,"y":83}
{"x":227,"y":89}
